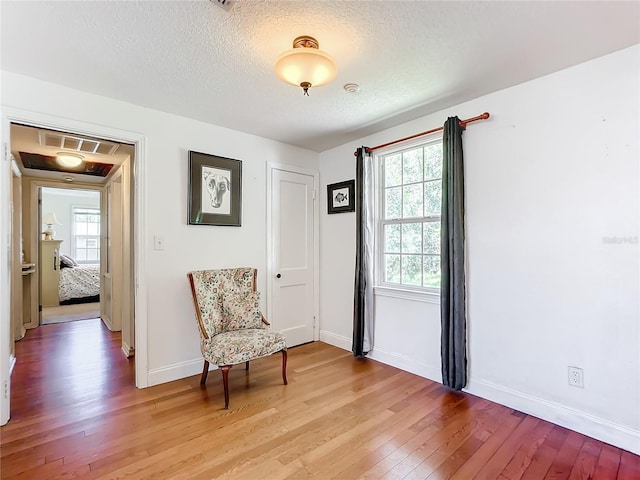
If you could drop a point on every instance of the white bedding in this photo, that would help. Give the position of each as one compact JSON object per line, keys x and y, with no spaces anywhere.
{"x":79,"y":282}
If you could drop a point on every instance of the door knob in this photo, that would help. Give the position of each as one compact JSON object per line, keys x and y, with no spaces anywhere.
{"x":278,"y":276}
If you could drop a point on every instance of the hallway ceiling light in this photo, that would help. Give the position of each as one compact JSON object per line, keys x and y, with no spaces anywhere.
{"x":69,"y":160}
{"x":305,"y":65}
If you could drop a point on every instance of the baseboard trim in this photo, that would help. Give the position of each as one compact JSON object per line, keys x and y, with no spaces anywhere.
{"x":12,"y":363}
{"x":585,"y":423}
{"x":595,"y":427}
{"x":177,"y":371}
{"x":335,"y":340}
{"x":388,"y":358}
{"x":107,"y":321}
{"x":127,"y":350}
{"x":406,"y":364}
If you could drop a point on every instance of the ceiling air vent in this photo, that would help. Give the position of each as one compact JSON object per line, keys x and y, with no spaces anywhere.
{"x":75,"y":143}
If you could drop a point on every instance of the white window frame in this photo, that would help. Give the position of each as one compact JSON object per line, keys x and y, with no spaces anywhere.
{"x":74,"y":208}
{"x":382,"y":288}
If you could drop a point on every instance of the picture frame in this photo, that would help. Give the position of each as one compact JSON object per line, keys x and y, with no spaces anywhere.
{"x":341,"y":197}
{"x":215,"y":190}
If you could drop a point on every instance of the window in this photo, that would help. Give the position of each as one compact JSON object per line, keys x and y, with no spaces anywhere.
{"x":86,"y":234}
{"x":410,"y":191}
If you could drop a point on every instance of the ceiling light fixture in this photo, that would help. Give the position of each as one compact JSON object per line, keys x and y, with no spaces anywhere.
{"x":305,"y":65}
{"x":69,"y":160}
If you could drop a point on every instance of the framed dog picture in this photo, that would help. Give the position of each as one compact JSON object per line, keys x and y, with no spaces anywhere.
{"x":341,"y":197}
{"x":215,"y":190}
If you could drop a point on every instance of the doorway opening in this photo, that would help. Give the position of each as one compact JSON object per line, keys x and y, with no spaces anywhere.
{"x":70,"y":254}
{"x":84,"y":218}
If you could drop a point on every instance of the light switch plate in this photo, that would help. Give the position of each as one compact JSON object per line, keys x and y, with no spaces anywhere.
{"x":158,"y":242}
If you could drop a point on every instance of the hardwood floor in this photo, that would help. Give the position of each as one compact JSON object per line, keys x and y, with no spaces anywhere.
{"x":76,"y":414}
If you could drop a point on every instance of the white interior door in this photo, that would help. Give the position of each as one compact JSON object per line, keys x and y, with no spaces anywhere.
{"x":293,"y":236}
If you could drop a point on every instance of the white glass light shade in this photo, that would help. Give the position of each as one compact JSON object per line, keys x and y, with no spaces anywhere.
{"x":69,"y":160}
{"x":300,"y":65}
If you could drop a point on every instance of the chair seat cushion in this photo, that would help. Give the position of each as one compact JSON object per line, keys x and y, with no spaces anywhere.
{"x":239,"y":346}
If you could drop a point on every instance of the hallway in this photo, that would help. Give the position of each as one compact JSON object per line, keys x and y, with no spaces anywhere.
{"x":83,"y":365}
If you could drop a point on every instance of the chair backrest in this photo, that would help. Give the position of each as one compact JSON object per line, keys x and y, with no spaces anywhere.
{"x":208,"y":288}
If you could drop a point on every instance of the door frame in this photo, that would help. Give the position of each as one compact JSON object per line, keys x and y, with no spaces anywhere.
{"x":271,"y":167}
{"x":13,"y":115}
{"x":36,"y":186}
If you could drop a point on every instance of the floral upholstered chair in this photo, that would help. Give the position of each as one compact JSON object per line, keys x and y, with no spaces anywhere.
{"x":232,"y":328}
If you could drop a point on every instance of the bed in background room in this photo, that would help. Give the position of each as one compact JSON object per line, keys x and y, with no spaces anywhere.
{"x":78,"y":283}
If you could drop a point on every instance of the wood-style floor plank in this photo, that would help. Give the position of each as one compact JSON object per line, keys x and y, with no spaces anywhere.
{"x":75,"y":414}
{"x":629,"y":466}
{"x":608,"y":463}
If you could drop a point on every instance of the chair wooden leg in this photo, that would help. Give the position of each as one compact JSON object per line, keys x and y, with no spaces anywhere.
{"x":205,"y":372}
{"x":246,"y":366}
{"x":225,"y":381}
{"x":284,"y":366}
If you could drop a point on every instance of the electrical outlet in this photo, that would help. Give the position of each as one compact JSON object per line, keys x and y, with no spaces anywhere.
{"x":576,"y":377}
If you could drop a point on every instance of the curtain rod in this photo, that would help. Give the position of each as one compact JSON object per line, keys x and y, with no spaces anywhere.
{"x":463,"y":124}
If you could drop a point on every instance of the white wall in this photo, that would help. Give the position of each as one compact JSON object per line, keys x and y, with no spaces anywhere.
{"x":551,"y":175}
{"x":60,"y":201}
{"x":173,"y":345}
{"x":550,"y":179}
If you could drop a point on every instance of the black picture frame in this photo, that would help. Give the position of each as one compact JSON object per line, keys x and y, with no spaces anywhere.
{"x":215,"y":190}
{"x":341,"y":197}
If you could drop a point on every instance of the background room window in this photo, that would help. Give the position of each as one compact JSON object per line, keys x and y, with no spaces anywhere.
{"x":410,"y":188}
{"x":86,"y":234}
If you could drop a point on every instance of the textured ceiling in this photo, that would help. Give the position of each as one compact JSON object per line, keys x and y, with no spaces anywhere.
{"x":201,"y":61}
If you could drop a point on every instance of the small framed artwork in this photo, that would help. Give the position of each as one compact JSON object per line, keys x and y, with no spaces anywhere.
{"x":215,"y":190}
{"x":341,"y":197}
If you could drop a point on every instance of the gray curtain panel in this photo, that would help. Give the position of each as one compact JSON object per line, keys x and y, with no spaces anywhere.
{"x":452,"y":290}
{"x":363,"y":289}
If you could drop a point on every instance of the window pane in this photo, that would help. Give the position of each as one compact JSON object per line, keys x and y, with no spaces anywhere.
{"x":393,"y":203}
{"x":412,"y":201}
{"x":412,"y":270}
{"x":81,"y":218}
{"x":431,"y":240}
{"x":92,"y":242}
{"x":92,"y":255}
{"x":81,"y":228}
{"x":92,"y":229}
{"x":411,"y":192}
{"x":412,"y":166}
{"x":393,"y":170}
{"x":81,"y":255}
{"x":432,"y":198}
{"x":433,"y":161}
{"x":81,"y":243}
{"x":432,"y":271}
{"x":392,"y":268}
{"x":412,"y":238}
{"x":94,"y":218}
{"x":392,"y":238}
